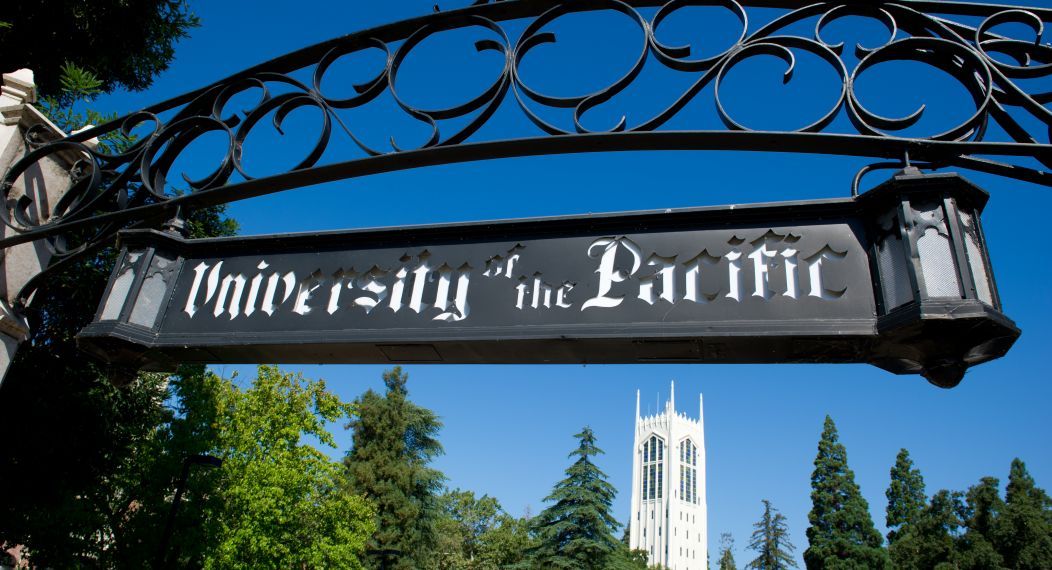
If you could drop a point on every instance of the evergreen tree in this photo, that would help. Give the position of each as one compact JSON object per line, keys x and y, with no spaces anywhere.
{"x":393,"y":443}
{"x":1024,"y":529}
{"x":841,"y":534}
{"x":905,"y":495}
{"x":980,"y":512}
{"x":577,"y":530}
{"x":770,"y":540}
{"x":726,"y":561}
{"x":927,"y":542}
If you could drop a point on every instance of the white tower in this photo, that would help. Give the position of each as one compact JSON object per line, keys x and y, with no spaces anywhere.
{"x":669,"y":516}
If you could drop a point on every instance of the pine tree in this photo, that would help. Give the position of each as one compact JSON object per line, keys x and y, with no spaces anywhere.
{"x":905,"y":495}
{"x":1024,"y":529}
{"x":927,"y":542}
{"x":841,"y":534}
{"x":982,"y":508}
{"x":726,"y":561}
{"x":577,"y":531}
{"x":771,"y":541}
{"x":394,"y":441}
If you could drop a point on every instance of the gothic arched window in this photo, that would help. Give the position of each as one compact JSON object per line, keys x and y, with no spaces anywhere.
{"x":688,"y":471}
{"x":653,"y":458}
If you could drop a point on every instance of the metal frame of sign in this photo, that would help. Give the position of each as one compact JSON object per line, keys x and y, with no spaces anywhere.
{"x":898,"y":277}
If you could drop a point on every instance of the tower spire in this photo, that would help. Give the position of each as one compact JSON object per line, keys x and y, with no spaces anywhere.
{"x":672,"y":397}
{"x":637,"y":405}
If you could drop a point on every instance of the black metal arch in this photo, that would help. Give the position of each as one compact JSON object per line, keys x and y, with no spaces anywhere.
{"x":110,"y":192}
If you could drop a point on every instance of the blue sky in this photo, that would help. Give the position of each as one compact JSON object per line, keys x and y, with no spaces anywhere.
{"x":508,"y":429}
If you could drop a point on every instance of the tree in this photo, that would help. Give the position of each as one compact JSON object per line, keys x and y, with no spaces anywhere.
{"x":475,"y":533}
{"x":279,"y":501}
{"x":84,"y":462}
{"x":905,"y":495}
{"x":726,"y":561}
{"x":125,"y":44}
{"x":1024,"y":529}
{"x":394,"y":441}
{"x":506,"y":544}
{"x":463,"y":523}
{"x":841,"y":534}
{"x":75,"y":445}
{"x":928,"y":542}
{"x":577,"y":530}
{"x":770,"y":540}
{"x":980,"y":512}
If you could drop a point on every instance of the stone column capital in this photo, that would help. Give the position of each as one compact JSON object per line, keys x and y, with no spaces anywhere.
{"x":18,"y":90}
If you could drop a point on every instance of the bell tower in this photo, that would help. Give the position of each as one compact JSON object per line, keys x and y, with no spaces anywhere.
{"x":669,"y":514}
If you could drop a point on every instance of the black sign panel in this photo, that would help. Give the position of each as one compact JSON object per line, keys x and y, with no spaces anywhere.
{"x":761,"y":283}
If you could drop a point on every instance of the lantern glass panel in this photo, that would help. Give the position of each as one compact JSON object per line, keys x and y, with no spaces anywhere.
{"x":976,"y":258}
{"x":111,"y":311}
{"x":891,"y":261}
{"x":152,"y":293}
{"x":936,"y":251}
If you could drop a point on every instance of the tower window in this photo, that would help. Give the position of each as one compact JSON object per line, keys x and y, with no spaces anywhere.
{"x":688,"y":471}
{"x":653,"y":468}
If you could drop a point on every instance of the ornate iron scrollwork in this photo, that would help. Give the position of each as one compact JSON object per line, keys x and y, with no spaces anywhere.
{"x":111,"y":191}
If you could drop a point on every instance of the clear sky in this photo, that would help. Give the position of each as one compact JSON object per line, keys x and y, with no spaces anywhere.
{"x":508,"y":429}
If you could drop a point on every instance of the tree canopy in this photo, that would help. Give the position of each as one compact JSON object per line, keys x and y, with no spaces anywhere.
{"x":577,"y":530}
{"x":905,"y":494}
{"x":278,"y":501}
{"x":125,"y":44}
{"x":726,"y":560}
{"x":475,"y":533}
{"x":394,"y":441}
{"x":841,"y":534}
{"x":771,"y":542}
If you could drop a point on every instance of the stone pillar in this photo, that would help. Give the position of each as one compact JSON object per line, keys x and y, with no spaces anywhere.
{"x":44,"y":183}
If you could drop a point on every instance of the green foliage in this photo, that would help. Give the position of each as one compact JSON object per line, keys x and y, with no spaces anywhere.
{"x":393,"y":443}
{"x":625,"y":558}
{"x":576,"y":531}
{"x":1023,"y":531}
{"x":506,"y":544}
{"x":78,"y":82}
{"x":927,"y":540}
{"x":770,"y":541}
{"x":124,"y":44}
{"x":75,"y":449}
{"x":905,"y":495}
{"x":278,"y":502}
{"x":726,"y":561}
{"x":83,"y":459}
{"x":68,"y":111}
{"x":841,"y":535}
{"x":78,"y":451}
{"x":980,"y":512}
{"x":476,"y":534}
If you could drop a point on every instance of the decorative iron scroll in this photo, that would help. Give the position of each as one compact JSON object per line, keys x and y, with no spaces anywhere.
{"x":112,"y":191}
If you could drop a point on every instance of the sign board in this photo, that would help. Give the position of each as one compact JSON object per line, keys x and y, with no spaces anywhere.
{"x":758,"y":283}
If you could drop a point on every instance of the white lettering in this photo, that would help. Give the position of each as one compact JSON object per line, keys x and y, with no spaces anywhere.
{"x":608,"y":275}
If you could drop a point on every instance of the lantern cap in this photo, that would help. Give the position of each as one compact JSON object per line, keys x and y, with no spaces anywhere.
{"x":912,"y":182}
